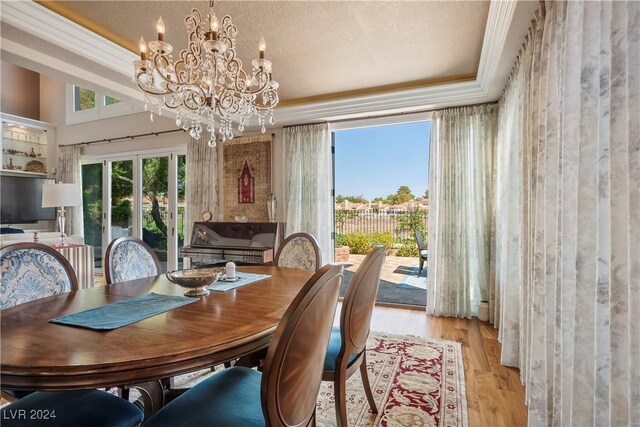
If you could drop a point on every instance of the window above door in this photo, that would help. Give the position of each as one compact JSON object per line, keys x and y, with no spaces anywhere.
{"x":85,"y":105}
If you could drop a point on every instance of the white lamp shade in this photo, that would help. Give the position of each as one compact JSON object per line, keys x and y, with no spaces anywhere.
{"x":56,"y":195}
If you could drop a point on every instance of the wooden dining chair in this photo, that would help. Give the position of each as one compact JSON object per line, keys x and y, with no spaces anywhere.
{"x":301,"y":251}
{"x":422,"y":251}
{"x":30,"y":271}
{"x":347,"y":350}
{"x":129,"y":258}
{"x":71,"y":408}
{"x":285,"y":393}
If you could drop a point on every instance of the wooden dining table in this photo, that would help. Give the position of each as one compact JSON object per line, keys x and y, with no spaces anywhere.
{"x":222,"y":326}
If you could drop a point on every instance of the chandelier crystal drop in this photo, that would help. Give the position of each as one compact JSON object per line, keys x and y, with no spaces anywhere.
{"x":206,"y":85}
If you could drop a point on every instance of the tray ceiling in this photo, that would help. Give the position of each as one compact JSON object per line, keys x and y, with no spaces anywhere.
{"x":320,"y":50}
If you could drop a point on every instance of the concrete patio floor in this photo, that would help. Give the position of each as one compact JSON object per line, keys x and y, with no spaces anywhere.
{"x":393,"y":271}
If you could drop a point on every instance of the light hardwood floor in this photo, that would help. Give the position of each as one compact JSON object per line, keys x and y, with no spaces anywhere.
{"x":495,"y":396}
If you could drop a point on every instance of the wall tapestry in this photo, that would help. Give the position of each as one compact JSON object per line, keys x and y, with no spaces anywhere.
{"x":247,"y":178}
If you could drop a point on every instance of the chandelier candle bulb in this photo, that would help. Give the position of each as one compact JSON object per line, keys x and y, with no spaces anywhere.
{"x":262,"y":46}
{"x":160,"y":28}
{"x":143,"y":48}
{"x":213,"y":25}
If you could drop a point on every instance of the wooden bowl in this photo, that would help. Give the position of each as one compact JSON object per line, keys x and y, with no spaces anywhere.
{"x":195,"y":280}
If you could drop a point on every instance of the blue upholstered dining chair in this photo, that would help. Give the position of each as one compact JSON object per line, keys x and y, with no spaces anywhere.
{"x":285,"y":393}
{"x":30,"y":271}
{"x":347,"y":350}
{"x":71,"y":408}
{"x":129,"y":258}
{"x":301,"y":251}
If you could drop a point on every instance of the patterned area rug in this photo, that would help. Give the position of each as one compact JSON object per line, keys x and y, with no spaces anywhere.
{"x":416,"y":382}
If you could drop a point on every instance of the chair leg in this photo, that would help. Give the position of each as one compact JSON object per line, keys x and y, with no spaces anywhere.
{"x":340,"y":395}
{"x":421,"y":266}
{"x":313,"y":422}
{"x":365,"y":381}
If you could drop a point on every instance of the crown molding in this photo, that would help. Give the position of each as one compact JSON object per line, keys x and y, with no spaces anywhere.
{"x":501,"y":14}
{"x":66,"y":34}
{"x":72,"y":37}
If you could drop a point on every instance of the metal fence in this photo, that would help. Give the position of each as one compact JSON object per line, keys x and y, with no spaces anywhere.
{"x":375,"y":220}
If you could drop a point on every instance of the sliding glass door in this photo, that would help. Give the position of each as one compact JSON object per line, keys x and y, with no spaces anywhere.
{"x":122,"y":215}
{"x":140,"y":196}
{"x":155,"y":206}
{"x":181,"y":170}
{"x":92,"y":178}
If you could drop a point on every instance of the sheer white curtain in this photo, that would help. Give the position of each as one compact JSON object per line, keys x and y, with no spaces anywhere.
{"x":460,"y":209}
{"x":308,"y":183}
{"x":567,"y":261}
{"x":69,"y":171}
{"x":202,"y":180}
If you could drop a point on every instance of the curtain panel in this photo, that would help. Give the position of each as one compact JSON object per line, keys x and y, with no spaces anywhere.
{"x":460,"y":209}
{"x":566,"y":261}
{"x":309,"y":183}
{"x":202,"y":181}
{"x":69,"y":171}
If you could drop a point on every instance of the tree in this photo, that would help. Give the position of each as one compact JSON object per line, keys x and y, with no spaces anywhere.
{"x":426,"y":193}
{"x":86,"y":99}
{"x":413,"y":221}
{"x":403,"y":195}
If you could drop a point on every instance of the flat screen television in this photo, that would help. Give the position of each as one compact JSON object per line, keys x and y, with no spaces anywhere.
{"x":21,"y":200}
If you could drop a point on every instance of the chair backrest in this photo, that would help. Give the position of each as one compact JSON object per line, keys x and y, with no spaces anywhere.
{"x":30,"y":271}
{"x":301,"y":251}
{"x":129,"y":258}
{"x":357,"y":306}
{"x":420,"y":241}
{"x":293,"y":367}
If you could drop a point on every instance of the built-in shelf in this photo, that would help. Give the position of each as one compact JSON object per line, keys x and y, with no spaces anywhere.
{"x":25,"y":155}
{"x":17,"y":172}
{"x":22,"y":141}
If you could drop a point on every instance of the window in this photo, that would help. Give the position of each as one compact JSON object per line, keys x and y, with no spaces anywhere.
{"x":84,"y":99}
{"x":110,"y":100}
{"x":85,"y":105}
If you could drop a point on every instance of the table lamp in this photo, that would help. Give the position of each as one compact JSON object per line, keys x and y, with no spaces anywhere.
{"x":58,"y":196}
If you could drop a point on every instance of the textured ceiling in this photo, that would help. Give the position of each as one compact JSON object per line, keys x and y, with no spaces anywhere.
{"x":318,"y":48}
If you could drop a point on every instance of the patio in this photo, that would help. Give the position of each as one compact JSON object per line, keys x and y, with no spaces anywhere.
{"x":399,"y":283}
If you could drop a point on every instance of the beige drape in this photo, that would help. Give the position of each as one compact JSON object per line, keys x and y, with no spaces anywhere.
{"x":460,"y":209}
{"x":308,"y":184}
{"x":69,"y":171}
{"x":566,"y":283}
{"x":202,"y":181}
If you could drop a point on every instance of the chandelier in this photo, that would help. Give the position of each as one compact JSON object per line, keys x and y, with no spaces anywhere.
{"x":206,"y":84}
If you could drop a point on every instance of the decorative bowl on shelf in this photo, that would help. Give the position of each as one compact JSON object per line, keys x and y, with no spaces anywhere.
{"x":241,"y":218}
{"x":195,"y":280}
{"x":35,"y":166}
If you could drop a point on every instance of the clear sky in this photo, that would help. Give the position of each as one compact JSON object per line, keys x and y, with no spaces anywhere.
{"x":375,"y":161}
